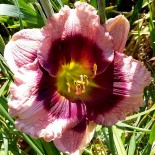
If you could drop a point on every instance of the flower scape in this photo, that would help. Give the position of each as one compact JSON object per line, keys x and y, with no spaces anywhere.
{"x":71,"y":75}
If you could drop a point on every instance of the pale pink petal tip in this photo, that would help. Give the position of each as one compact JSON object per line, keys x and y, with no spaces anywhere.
{"x":118,"y":28}
{"x":22,"y":48}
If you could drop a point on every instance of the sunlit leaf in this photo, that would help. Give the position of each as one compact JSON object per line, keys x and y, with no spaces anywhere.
{"x":132,"y":145}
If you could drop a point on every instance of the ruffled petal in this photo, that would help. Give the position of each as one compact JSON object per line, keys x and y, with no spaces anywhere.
{"x":118,"y":28}
{"x":75,"y":140}
{"x":39,"y":109}
{"x":22,"y":48}
{"x":73,"y":34}
{"x":120,"y":91}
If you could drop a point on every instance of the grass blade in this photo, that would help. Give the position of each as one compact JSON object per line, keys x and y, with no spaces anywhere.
{"x":152,"y":135}
{"x":152,"y":27}
{"x":118,"y":142}
{"x":49,"y":148}
{"x":132,"y":145}
{"x":136,"y":11}
{"x":2,"y":45}
{"x":111,"y":139}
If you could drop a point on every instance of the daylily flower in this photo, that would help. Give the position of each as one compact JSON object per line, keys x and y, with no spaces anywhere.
{"x":71,"y":75}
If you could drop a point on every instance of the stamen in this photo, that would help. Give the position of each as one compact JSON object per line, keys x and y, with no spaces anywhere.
{"x":83,"y":89}
{"x":78,"y":89}
{"x":68,"y":87}
{"x":80,"y":82}
{"x":80,"y":85}
{"x":74,"y":82}
{"x":81,"y":77}
{"x":86,"y":78}
{"x":95,"y":70}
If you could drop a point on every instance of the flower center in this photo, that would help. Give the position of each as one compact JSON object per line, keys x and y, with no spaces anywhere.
{"x":75,"y":81}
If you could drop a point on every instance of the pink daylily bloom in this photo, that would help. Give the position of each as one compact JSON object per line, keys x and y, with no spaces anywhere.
{"x":71,"y":75}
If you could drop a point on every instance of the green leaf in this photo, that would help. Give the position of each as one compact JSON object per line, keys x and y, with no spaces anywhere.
{"x":2,"y":45}
{"x":146,"y":150}
{"x":65,"y":2}
{"x":140,"y":114}
{"x":153,"y":150}
{"x":136,"y":11}
{"x":5,"y":142}
{"x":132,"y":145}
{"x":9,"y":10}
{"x":152,"y":27}
{"x":111,"y":139}
{"x":93,"y":3}
{"x":26,"y":13}
{"x":60,"y":2}
{"x":152,"y":134}
{"x":120,"y":124}
{"x":49,"y":148}
{"x":55,"y":7}
{"x":3,"y":111}
{"x":3,"y":89}
{"x":5,"y":69}
{"x":118,"y":142}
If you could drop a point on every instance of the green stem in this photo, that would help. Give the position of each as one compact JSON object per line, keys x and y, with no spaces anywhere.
{"x":111,"y":139}
{"x":32,"y":144}
{"x":47,"y":7}
{"x":101,"y":10}
{"x":41,"y":12}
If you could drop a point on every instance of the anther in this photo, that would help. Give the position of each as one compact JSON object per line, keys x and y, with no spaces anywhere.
{"x":80,"y":82}
{"x":95,"y":70}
